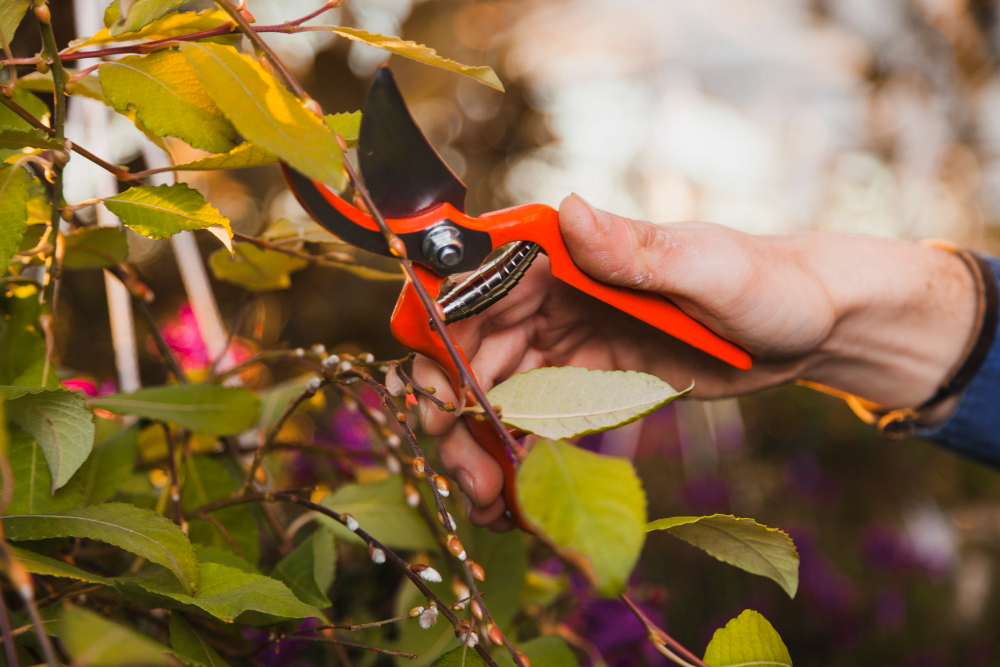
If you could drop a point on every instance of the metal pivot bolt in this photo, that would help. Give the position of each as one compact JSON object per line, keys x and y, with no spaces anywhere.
{"x":443,"y":246}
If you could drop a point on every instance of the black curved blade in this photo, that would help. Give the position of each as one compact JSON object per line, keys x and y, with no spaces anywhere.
{"x":402,"y":171}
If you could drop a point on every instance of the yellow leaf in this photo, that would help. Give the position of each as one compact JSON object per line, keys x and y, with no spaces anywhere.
{"x":420,"y":53}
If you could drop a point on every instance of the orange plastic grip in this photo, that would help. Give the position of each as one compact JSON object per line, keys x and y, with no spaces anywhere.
{"x":411,"y":328}
{"x":539,"y":223}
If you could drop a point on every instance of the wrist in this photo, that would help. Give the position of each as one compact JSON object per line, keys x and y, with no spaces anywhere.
{"x":904,"y":313}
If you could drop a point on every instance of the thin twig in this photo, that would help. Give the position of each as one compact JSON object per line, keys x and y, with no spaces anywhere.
{"x":346,"y":520}
{"x":289,"y":80}
{"x":8,"y":644}
{"x":272,"y":434}
{"x":225,"y":532}
{"x":233,"y":331}
{"x":21,"y":580}
{"x":659,"y":637}
{"x":118,"y":172}
{"x":432,"y":478}
{"x":161,"y":343}
{"x":426,"y":392}
{"x":65,"y":55}
{"x":366,"y":647}
{"x":175,"y":485}
{"x":466,"y":375}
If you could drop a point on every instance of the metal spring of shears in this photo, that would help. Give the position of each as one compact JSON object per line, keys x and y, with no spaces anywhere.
{"x":492,"y":282}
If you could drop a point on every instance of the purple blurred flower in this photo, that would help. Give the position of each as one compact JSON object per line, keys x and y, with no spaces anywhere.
{"x":707,"y":493}
{"x":90,"y":387}
{"x":890,"y":610}
{"x":887,"y":550}
{"x":184,"y":338}
{"x":285,"y":652}
{"x":827,"y":591}
{"x":616,"y":633}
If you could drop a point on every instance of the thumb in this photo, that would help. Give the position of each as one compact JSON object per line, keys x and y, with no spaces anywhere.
{"x":616,"y":250}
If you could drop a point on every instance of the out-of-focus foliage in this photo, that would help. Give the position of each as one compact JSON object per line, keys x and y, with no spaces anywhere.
{"x":866,"y":116}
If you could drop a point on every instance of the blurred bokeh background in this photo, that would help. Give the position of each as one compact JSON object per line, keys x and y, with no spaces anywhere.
{"x":770,"y":116}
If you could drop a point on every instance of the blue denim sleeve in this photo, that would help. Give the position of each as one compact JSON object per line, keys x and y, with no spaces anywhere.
{"x":974,"y":427}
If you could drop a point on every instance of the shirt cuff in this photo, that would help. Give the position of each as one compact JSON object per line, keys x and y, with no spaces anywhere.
{"x":974,"y":427}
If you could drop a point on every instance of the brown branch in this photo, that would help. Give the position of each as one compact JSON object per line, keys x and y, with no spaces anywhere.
{"x":426,"y":392}
{"x":233,"y":331}
{"x":8,"y":644}
{"x":286,"y":76}
{"x":118,"y":172}
{"x":258,"y":456}
{"x":225,"y":532}
{"x":659,"y":637}
{"x":21,"y":580}
{"x":406,"y":568}
{"x":366,"y":647}
{"x":175,"y":485}
{"x":432,"y":478}
{"x":161,"y":343}
{"x":399,"y":250}
{"x":287,"y":27}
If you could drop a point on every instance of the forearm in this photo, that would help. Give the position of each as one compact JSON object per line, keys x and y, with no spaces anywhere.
{"x":904,"y":315}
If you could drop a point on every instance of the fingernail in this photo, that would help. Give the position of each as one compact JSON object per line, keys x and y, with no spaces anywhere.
{"x":601,"y":220}
{"x":468,"y":486}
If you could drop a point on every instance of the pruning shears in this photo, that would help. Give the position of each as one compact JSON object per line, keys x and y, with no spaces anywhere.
{"x":423,"y":203}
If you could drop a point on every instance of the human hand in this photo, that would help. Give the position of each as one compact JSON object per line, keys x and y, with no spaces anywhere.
{"x":854,"y":313}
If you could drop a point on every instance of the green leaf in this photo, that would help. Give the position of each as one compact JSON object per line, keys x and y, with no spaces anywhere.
{"x":13,"y":210}
{"x":308,"y":571}
{"x":459,"y":657}
{"x":265,"y":113}
{"x":11,"y":13}
{"x":190,"y":647}
{"x":748,"y":639}
{"x":59,"y":421}
{"x":21,"y":342}
{"x":34,"y":137}
{"x":205,"y":408}
{"x":504,"y":557}
{"x":544,"y":651}
{"x":164,"y":210}
{"x":170,"y":25}
{"x":33,"y":482}
{"x":30,"y":103}
{"x":253,"y":268}
{"x":570,"y":401}
{"x":420,"y":53}
{"x":246,"y":154}
{"x":347,"y":125}
{"x":95,"y":248}
{"x":139,"y":531}
{"x":206,"y":480}
{"x":587,"y":504}
{"x":381,"y":510}
{"x":208,"y":554}
{"x":39,"y":564}
{"x":275,"y":399}
{"x":167,"y":99}
{"x":226,"y":593}
{"x":93,"y":641}
{"x":741,"y":542}
{"x":108,"y":466}
{"x":140,"y":14}
{"x":36,"y":82}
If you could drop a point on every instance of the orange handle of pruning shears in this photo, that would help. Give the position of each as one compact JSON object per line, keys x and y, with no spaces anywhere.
{"x":540,"y":224}
{"x":412,"y":329}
